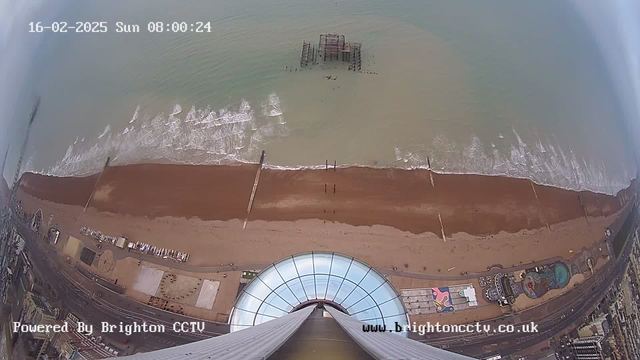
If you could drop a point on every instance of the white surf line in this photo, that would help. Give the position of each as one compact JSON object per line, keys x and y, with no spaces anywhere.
{"x":442,"y":227}
{"x":253,"y":191}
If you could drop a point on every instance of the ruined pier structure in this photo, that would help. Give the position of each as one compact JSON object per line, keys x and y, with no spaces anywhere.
{"x":332,"y":47}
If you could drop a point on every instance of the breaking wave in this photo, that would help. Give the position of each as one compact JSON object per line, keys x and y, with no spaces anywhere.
{"x":234,"y":134}
{"x":202,"y":136}
{"x":135,"y":115}
{"x":105,"y":132}
{"x":272,"y":108}
{"x":545,"y":163}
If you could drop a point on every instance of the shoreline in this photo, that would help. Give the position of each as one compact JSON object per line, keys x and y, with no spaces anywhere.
{"x":236,"y":162}
{"x":478,"y":205}
{"x":410,"y":259}
{"x":421,"y":167}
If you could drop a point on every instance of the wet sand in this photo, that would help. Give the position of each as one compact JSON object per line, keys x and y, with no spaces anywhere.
{"x":216,"y":242}
{"x":402,"y":199}
{"x":62,"y":190}
{"x":406,"y":200}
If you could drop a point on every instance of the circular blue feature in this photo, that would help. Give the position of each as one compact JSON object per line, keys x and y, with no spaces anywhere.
{"x":562,"y":275}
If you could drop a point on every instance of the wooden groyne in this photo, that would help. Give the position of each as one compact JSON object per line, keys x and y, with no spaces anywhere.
{"x":95,"y":186}
{"x":253,"y":191}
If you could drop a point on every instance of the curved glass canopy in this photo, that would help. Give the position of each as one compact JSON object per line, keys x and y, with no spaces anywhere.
{"x":349,"y":284}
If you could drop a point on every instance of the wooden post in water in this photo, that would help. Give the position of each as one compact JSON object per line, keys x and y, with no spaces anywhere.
{"x":262,"y":158}
{"x":430,"y":172}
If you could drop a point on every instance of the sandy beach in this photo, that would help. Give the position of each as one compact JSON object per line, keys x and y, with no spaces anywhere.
{"x":388,"y":218}
{"x":392,"y":219}
{"x":401,"y":199}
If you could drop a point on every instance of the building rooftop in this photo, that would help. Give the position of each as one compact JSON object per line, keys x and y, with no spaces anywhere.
{"x":342,"y":281}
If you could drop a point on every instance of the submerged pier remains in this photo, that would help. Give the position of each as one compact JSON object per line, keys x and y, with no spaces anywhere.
{"x":308,"y":54}
{"x":332,"y":47}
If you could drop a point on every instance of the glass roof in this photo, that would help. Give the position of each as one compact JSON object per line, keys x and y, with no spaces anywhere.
{"x":351,"y":284}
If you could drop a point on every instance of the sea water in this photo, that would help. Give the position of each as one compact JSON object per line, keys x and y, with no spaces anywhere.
{"x":498,"y":88}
